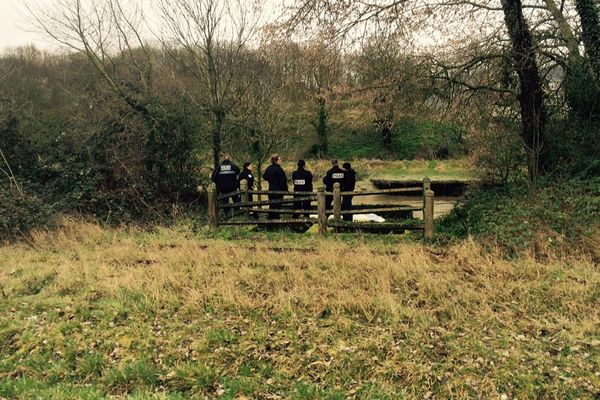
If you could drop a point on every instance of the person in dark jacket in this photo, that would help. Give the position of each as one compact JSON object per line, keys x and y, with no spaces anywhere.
{"x":248,"y":176}
{"x":349,"y":186}
{"x":303,"y":182}
{"x":225,"y":176}
{"x":333,"y":176}
{"x":277,"y":179}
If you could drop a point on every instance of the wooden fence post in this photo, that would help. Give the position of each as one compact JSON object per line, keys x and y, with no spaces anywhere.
{"x":426,"y":187}
{"x":244,"y":195}
{"x":428,"y":214}
{"x":322,"y":211}
{"x":337,"y":201}
{"x":213,"y":206}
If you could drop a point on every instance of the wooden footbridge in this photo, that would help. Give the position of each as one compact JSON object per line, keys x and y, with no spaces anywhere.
{"x":252,"y":212}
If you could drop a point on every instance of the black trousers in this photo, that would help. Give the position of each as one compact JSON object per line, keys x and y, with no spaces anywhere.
{"x":234,"y":199}
{"x":346,"y":206}
{"x":301,"y":205}
{"x":275,"y":215}
{"x":329,"y":202}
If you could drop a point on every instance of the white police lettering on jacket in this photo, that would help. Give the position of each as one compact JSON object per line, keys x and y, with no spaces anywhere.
{"x":226,"y":170}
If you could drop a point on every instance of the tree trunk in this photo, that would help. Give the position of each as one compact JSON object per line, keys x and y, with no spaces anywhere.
{"x":322,"y":126}
{"x":579,"y":95}
{"x":590,"y":32}
{"x":531,"y":96}
{"x":566,"y":31}
{"x":216,"y":137}
{"x":386,"y":133}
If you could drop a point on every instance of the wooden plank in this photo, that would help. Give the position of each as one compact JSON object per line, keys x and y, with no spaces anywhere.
{"x":285,"y":193}
{"x":322,"y":212}
{"x":228,"y":195}
{"x":265,"y":202}
{"x":270,"y":222}
{"x":380,"y":210}
{"x":337,"y":201}
{"x":375,"y":225}
{"x":428,"y":214}
{"x":227,"y":216}
{"x":245,"y":198}
{"x":382,"y":206}
{"x":282,"y":211}
{"x":382,"y":191}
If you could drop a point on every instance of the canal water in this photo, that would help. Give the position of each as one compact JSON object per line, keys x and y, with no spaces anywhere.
{"x":442,"y":205}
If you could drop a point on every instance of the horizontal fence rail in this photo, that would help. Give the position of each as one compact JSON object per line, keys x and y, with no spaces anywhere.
{"x":282,"y":211}
{"x":249,"y":211}
{"x":378,"y":210}
{"x":228,"y":195}
{"x":283,"y":192}
{"x":270,"y":222}
{"x":382,"y":191}
{"x":265,"y":202}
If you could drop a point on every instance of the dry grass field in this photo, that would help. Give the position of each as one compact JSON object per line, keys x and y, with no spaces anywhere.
{"x":88,"y":312}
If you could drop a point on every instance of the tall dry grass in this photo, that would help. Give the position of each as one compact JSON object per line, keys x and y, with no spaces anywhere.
{"x":395,"y":281}
{"x":455,"y":322}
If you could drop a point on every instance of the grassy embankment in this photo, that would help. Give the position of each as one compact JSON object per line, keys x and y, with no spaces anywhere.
{"x":88,"y":313}
{"x":397,"y":169}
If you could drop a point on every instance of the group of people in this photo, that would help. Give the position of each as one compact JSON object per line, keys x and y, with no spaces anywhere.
{"x":227,"y":177}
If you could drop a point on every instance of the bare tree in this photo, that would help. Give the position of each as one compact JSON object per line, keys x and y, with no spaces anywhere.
{"x":259,"y":120}
{"x":349,"y":15}
{"x":109,"y":35}
{"x":209,"y":39}
{"x":322,"y":69}
{"x":390,"y":79}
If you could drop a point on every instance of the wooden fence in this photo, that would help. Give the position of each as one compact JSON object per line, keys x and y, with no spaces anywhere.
{"x":246,"y":212}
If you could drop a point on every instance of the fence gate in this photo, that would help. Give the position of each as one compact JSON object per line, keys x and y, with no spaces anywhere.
{"x":246,"y":210}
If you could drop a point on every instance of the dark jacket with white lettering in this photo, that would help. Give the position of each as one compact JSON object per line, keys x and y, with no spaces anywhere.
{"x":349,"y":180}
{"x":246,"y":174}
{"x":225,"y":176}
{"x":303,"y":180}
{"x":276,"y":177}
{"x":334,"y":175}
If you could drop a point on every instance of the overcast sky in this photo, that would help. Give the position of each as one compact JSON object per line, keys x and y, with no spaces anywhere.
{"x":16,"y":31}
{"x":13,"y":25}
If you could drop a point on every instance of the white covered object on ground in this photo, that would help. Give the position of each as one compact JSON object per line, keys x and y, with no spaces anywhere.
{"x":360,"y":217}
{"x":368,"y":218}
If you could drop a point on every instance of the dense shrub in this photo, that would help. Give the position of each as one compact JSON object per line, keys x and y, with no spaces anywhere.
{"x":552,"y":217}
{"x":119,"y":165}
{"x":19,"y":214}
{"x":17,"y":150}
{"x":497,"y":153}
{"x":575,"y":149}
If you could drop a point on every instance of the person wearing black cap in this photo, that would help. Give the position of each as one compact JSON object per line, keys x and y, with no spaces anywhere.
{"x":333,"y":176}
{"x":225,"y":177}
{"x":277,"y":179}
{"x":303,"y":182}
{"x":349,"y":186}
